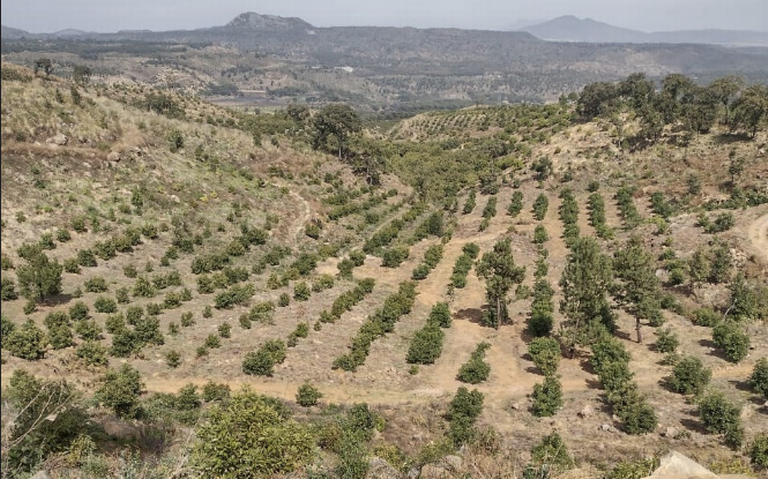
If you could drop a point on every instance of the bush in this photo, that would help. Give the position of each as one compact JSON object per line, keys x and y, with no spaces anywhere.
{"x":689,"y":376}
{"x":267,"y":442}
{"x":551,"y":454}
{"x":215,"y":392}
{"x":758,"y":451}
{"x":237,"y":294}
{"x":706,"y":317}
{"x":262,"y":361}
{"x":547,"y":397}
{"x":393,"y":257}
{"x":40,"y":277}
{"x":426,"y":345}
{"x":120,"y":391}
{"x":758,"y":380}
{"x":104,"y":304}
{"x":212,"y":341}
{"x":308,"y":395}
{"x":301,"y":291}
{"x":540,"y":234}
{"x":440,"y":315}
{"x":719,"y":416}
{"x":173,"y":359}
{"x":92,"y":353}
{"x":284,"y":300}
{"x":734,"y":342}
{"x":96,"y":284}
{"x":546,"y":354}
{"x":476,"y":370}
{"x":8,"y":291}
{"x":225,"y":330}
{"x":666,"y":341}
{"x":26,"y":341}
{"x":540,"y":206}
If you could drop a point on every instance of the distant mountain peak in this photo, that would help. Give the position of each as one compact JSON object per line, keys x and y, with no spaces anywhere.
{"x":252,"y":20}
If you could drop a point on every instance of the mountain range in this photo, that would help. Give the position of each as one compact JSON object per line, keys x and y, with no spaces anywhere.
{"x":572,"y":29}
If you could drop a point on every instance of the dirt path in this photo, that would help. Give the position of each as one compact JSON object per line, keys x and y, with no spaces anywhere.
{"x":758,"y":235}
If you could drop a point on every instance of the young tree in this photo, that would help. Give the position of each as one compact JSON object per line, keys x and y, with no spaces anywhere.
{"x":498,"y":269}
{"x":547,"y":397}
{"x":758,"y":380}
{"x":638,"y":285}
{"x":120,"y":390}
{"x":40,"y":277}
{"x":584,"y":282}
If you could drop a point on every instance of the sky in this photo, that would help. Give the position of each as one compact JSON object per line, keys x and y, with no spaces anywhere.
{"x":39,"y":16}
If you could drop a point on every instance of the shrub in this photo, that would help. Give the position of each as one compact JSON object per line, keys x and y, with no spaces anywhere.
{"x":540,"y":234}
{"x":689,"y":376}
{"x":120,"y":391}
{"x":173,"y":359}
{"x":236,"y":295}
{"x":758,"y":380}
{"x":39,"y":278}
{"x":515,"y":204}
{"x":88,"y":330}
{"x":92,"y":353}
{"x":540,"y":206}
{"x":308,"y":395}
{"x":719,"y":416}
{"x":666,"y":341}
{"x":546,"y":354}
{"x":8,"y":291}
{"x":103,"y":304}
{"x":268,"y":443}
{"x":301,"y":291}
{"x":393,"y":257}
{"x":734,"y":342}
{"x":262,"y":361}
{"x":26,"y":341}
{"x":212,"y":341}
{"x":440,"y":315}
{"x":225,"y":330}
{"x":706,"y":317}
{"x":470,"y":204}
{"x":547,"y":397}
{"x":284,"y":300}
{"x":476,"y":370}
{"x":60,"y":336}
{"x":96,"y":284}
{"x":758,"y":451}
{"x":322,"y":283}
{"x":551,"y":454}
{"x":426,"y":345}
{"x":215,"y":392}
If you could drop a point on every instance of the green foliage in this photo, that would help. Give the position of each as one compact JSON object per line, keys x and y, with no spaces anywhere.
{"x":426,"y":345}
{"x":471,"y":202}
{"x":213,"y":392}
{"x":749,"y":300}
{"x":92,"y":353}
{"x":540,"y":235}
{"x":48,"y":418}
{"x":547,"y":397}
{"x":627,"y":208}
{"x":540,"y":206}
{"x":392,"y":257}
{"x":463,"y":411}
{"x":225,"y":330}
{"x":308,"y":395}
{"x":262,"y":361}
{"x":689,"y":376}
{"x":758,"y":380}
{"x":464,"y":265}
{"x":758,"y":451}
{"x":26,"y":341}
{"x":237,"y":294}
{"x":120,"y":391}
{"x":103,"y":304}
{"x":541,"y":319}
{"x":8,"y":290}
{"x":515,"y":204}
{"x":545,"y":353}
{"x":40,"y":277}
{"x":551,"y":454}
{"x":498,"y":269}
{"x":333,"y":126}
{"x":666,"y":341}
{"x":250,"y":436}
{"x":301,"y":292}
{"x":706,"y":317}
{"x":634,"y":469}
{"x":734,"y":342}
{"x":96,"y":284}
{"x":476,"y":370}
{"x":440,"y":315}
{"x":720,"y":416}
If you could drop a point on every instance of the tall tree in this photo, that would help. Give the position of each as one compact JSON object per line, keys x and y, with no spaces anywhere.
{"x":333,"y":126}
{"x":637,"y":286}
{"x":498,"y":269}
{"x":751,"y":109}
{"x":585,"y":281}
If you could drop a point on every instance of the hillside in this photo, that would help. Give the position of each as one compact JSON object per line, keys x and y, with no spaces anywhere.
{"x":204,"y":250}
{"x":572,"y":29}
{"x":259,"y":60}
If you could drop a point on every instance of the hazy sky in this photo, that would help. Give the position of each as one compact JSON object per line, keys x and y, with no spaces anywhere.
{"x":648,"y":15}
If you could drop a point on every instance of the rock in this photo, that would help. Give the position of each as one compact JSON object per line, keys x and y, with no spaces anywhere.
{"x":608,"y":428}
{"x":381,"y":469}
{"x":587,"y":412}
{"x":59,"y":139}
{"x":454,"y":462}
{"x":671,"y":432}
{"x":41,"y":475}
{"x":120,"y":430}
{"x":516,"y":406}
{"x":433,"y":471}
{"x":413,"y":473}
{"x":174,"y":198}
{"x":675,"y":465}
{"x":113,"y":157}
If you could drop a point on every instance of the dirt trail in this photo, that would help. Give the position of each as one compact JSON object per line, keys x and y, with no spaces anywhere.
{"x":758,"y":235}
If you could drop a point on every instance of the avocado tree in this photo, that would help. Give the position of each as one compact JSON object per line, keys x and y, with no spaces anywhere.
{"x":498,"y":269}
{"x":333,"y":127}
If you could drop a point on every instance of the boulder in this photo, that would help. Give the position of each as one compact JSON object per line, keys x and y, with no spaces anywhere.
{"x":381,"y":469}
{"x":41,"y":475}
{"x":59,"y":139}
{"x":587,"y":412}
{"x":453,"y":462}
{"x":675,"y":465}
{"x":113,"y":157}
{"x":671,"y":432}
{"x":434,"y":471}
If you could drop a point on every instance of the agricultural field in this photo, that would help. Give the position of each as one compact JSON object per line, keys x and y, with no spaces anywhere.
{"x":467,"y":292}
